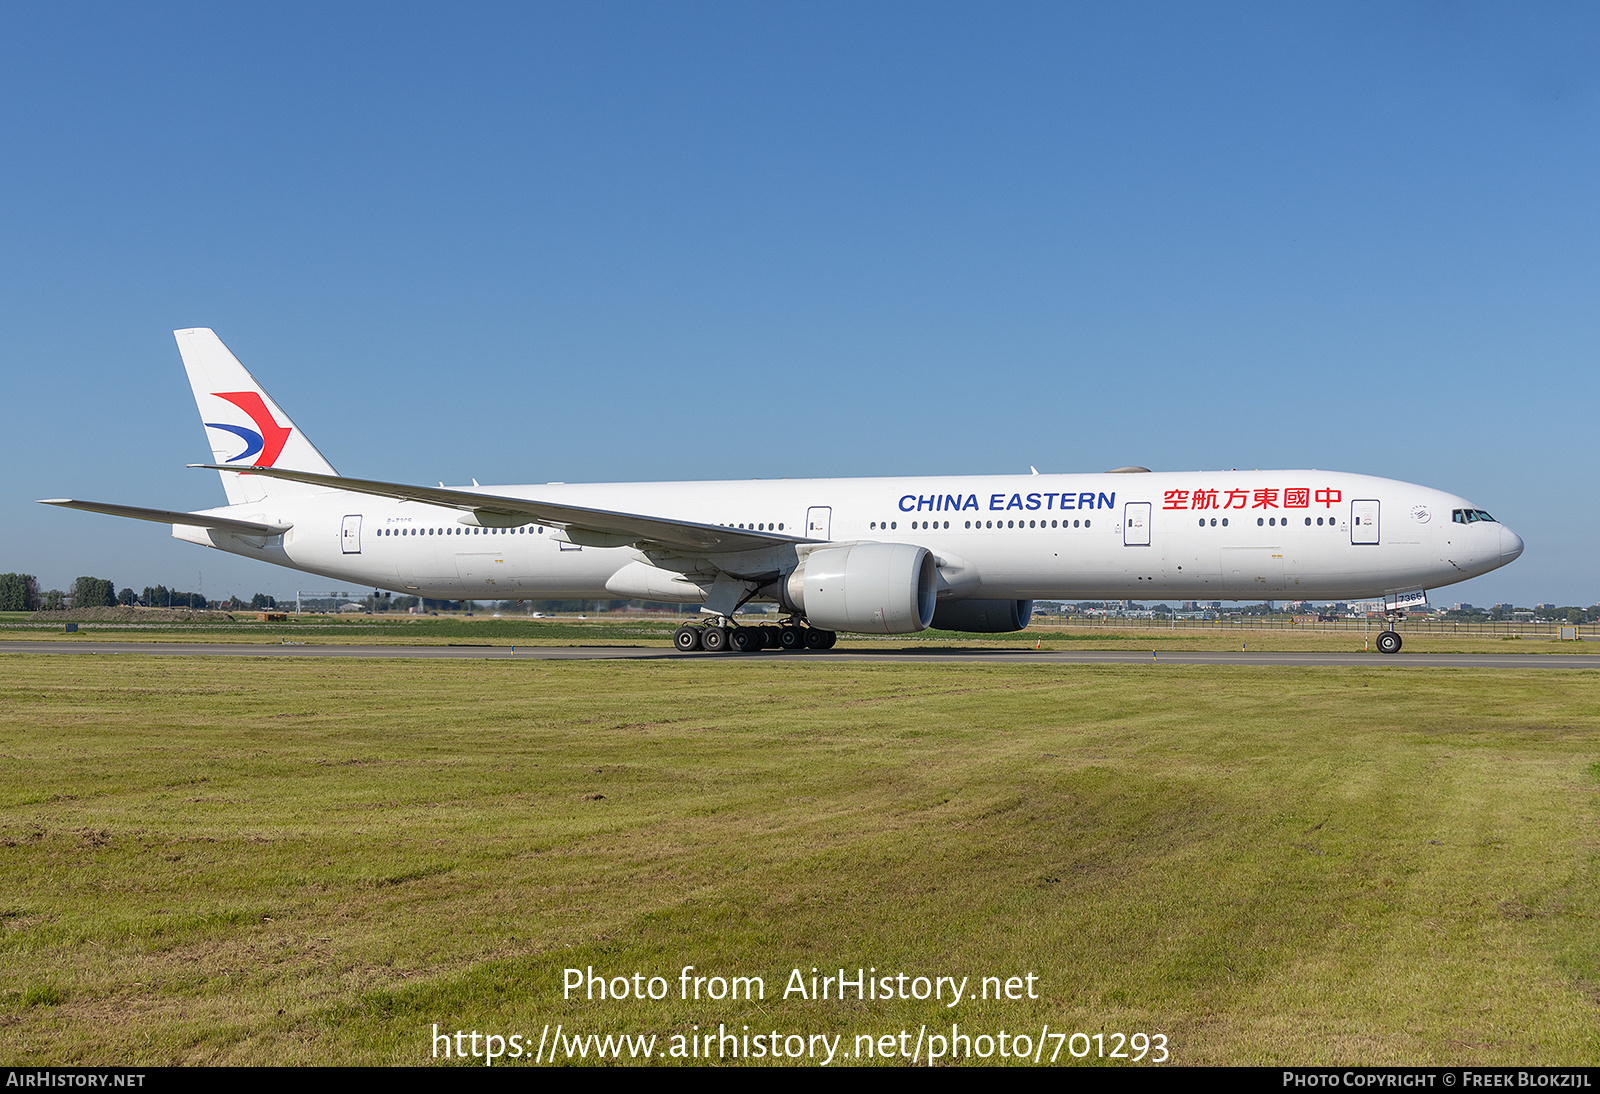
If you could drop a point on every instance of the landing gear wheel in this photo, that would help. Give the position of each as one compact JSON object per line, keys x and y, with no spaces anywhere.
{"x":818,"y":639}
{"x":686,"y":638}
{"x":792,"y":638}
{"x":714,"y":639}
{"x":1388,"y":642}
{"x":745,"y":639}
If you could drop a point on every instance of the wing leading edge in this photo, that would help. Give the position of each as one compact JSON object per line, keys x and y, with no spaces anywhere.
{"x":595,"y":527}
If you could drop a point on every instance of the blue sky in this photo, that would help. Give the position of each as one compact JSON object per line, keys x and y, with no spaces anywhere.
{"x":645,"y":241}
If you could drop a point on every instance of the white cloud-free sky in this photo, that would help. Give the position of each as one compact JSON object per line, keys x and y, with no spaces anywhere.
{"x":532,"y":242}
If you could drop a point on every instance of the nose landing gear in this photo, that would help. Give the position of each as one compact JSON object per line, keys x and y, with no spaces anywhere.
{"x":1389,"y":640}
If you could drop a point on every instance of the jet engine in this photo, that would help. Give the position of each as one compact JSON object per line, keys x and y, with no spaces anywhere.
{"x":868,"y":588}
{"x":983,"y":616}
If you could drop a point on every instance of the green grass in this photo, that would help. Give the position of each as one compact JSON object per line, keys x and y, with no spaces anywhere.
{"x":633,"y":630}
{"x":313,"y":862}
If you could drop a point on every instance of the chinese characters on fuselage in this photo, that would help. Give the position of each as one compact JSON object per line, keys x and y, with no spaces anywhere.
{"x":1271,"y":497}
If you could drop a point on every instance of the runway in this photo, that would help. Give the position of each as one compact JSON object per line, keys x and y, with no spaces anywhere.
{"x":888,"y":655}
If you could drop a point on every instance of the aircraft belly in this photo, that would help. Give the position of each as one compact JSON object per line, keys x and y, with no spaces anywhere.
{"x":1039,"y":569}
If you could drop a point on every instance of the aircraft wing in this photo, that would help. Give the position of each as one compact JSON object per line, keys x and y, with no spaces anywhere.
{"x":172,"y":516}
{"x":677,"y":535}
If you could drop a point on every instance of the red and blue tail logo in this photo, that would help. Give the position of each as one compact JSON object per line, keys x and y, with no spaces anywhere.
{"x":268,"y":442}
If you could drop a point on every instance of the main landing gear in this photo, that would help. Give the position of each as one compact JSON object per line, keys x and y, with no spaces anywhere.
{"x":720,"y":637}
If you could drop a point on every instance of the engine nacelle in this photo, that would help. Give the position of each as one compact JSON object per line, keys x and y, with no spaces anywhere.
{"x":868,"y":588}
{"x":983,"y":616}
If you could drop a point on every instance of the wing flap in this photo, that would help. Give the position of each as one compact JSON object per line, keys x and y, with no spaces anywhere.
{"x":173,"y":516}
{"x":675,"y":535}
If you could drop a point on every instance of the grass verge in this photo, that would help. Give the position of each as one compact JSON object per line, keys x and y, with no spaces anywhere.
{"x":267,"y":861}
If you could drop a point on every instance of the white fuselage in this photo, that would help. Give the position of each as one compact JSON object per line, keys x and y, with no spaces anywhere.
{"x":1233,"y":535}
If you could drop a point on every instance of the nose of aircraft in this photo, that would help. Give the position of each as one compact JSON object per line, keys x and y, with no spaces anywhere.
{"x":1510,"y":545}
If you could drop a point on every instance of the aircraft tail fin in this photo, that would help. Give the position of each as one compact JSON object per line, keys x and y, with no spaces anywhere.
{"x":243,"y":425}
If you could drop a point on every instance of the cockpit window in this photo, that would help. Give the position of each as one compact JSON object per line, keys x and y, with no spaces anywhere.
{"x":1469,"y":516}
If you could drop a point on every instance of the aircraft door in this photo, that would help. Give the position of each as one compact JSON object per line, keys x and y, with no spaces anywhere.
{"x":1136,"y":524}
{"x":1363,"y":522}
{"x":350,"y":534}
{"x":819,"y":518}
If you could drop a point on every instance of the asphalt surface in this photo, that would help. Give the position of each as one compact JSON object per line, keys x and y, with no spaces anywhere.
{"x":889,"y":655}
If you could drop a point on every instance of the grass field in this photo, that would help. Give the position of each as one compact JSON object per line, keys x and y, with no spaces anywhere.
{"x":271,"y":861}
{"x":635,"y":630}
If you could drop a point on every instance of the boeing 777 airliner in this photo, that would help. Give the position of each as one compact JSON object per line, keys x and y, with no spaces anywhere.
{"x":878,"y":556}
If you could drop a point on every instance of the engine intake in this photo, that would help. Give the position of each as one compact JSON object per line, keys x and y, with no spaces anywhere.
{"x":868,"y":588}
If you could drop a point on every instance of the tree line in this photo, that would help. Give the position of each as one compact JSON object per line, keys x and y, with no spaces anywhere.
{"x":21,"y":593}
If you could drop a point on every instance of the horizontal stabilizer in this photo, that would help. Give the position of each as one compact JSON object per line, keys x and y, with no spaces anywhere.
{"x":675,"y":535}
{"x":170,"y":516}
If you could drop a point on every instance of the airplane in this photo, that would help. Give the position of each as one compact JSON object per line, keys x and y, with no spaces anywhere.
{"x":866,"y":556}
